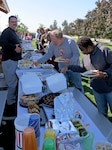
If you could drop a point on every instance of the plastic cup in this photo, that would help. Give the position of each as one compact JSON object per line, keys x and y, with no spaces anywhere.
{"x":34,"y":121}
{"x":49,"y":144}
{"x":20,"y":123}
{"x":34,"y":61}
{"x":24,"y":121}
{"x":29,"y":139}
{"x":49,"y":133}
{"x":87,"y":142}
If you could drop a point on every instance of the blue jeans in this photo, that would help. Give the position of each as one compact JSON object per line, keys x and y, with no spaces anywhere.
{"x":9,"y":69}
{"x":75,"y":79}
{"x":103,"y":100}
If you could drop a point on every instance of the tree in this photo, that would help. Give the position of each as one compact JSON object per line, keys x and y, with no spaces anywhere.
{"x":98,"y":22}
{"x":78,"y":26}
{"x":21,"y":27}
{"x":71,"y":29}
{"x":65,"y":27}
{"x":41,"y":26}
{"x":54,"y":26}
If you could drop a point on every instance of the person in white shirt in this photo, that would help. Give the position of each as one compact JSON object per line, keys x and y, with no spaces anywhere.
{"x":37,"y":38}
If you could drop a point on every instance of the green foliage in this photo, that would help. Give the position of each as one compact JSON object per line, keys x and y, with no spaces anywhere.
{"x":98,"y":22}
{"x":34,"y":43}
{"x":54,"y":26}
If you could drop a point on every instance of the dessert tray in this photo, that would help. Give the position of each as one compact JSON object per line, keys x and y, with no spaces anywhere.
{"x":25,"y":99}
{"x":24,"y":64}
{"x":48,"y":100}
{"x":27,"y":64}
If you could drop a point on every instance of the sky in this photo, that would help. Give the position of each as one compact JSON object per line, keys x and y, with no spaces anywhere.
{"x":32,"y":13}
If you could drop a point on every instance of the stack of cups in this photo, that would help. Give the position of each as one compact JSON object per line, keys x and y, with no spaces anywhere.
{"x":34,"y":122}
{"x":49,"y":140}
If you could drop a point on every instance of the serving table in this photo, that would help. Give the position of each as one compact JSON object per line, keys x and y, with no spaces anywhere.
{"x":3,"y":95}
{"x":96,"y":122}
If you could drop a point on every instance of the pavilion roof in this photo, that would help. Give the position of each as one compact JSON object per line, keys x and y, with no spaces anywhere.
{"x":4,"y":6}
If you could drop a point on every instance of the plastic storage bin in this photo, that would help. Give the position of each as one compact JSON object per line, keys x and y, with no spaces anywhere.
{"x":31,"y":83}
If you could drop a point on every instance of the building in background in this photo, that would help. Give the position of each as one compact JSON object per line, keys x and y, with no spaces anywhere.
{"x":4,"y":6}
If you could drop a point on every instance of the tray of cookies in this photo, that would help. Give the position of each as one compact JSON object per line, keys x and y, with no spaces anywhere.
{"x":26,"y":98}
{"x":48,"y":100}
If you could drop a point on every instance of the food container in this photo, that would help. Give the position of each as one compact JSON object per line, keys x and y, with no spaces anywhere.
{"x":60,"y":127}
{"x":64,"y":106}
{"x":26,"y":99}
{"x":56,"y":82}
{"x":31,"y":83}
{"x":103,"y":145}
{"x":24,"y":64}
{"x":29,"y":140}
{"x":82,"y":131}
{"x":21,"y":123}
{"x":68,"y":141}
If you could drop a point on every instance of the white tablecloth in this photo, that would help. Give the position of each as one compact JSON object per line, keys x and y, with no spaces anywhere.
{"x":98,"y":136}
{"x":92,"y":127}
{"x":86,"y":120}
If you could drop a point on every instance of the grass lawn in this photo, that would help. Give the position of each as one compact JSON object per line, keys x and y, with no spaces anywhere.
{"x":33,"y":44}
{"x":85,"y":81}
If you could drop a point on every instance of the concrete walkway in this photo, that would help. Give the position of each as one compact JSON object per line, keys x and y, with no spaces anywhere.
{"x":106,"y":41}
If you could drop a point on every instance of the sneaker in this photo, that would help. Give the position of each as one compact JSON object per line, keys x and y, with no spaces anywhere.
{"x":10,"y":112}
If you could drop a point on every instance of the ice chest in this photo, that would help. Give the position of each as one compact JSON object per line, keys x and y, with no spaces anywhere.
{"x":56,"y":82}
{"x":31,"y":83}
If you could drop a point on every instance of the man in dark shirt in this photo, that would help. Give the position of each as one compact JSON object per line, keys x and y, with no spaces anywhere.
{"x":97,"y":57}
{"x":11,"y":53}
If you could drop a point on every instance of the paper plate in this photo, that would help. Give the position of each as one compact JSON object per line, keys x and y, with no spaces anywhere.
{"x":59,"y":60}
{"x":90,"y":73}
{"x":45,"y":66}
